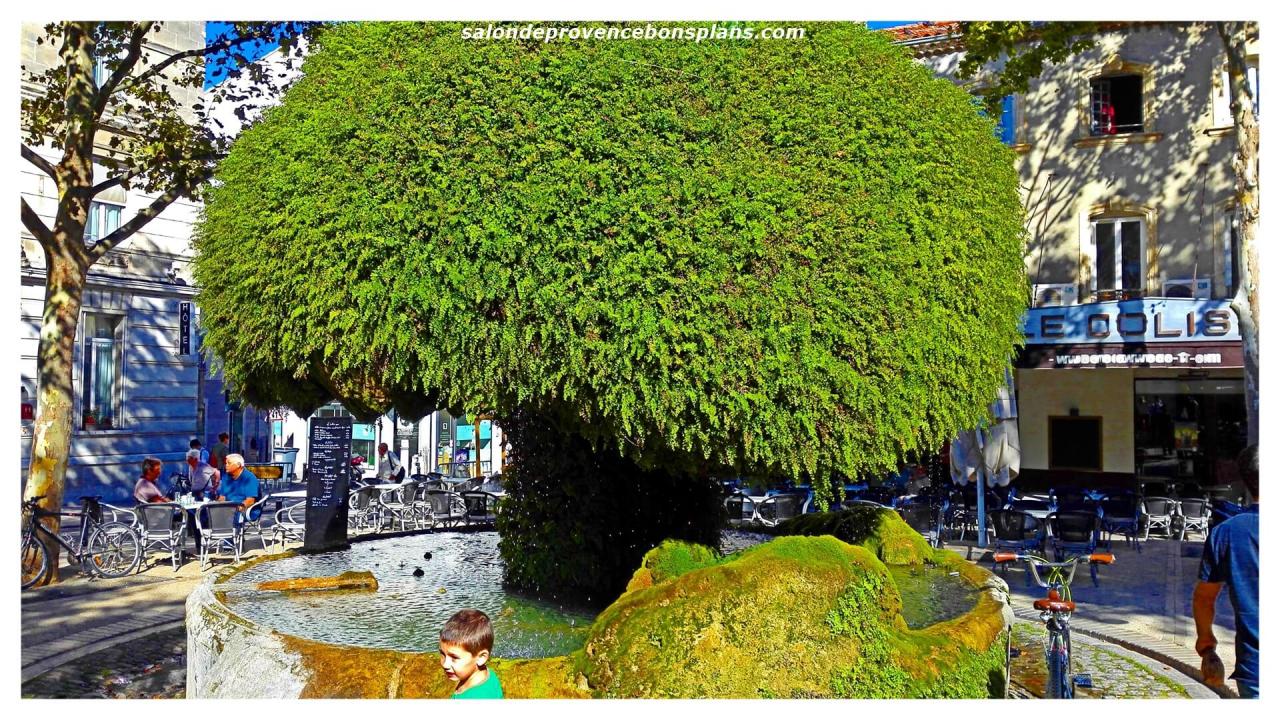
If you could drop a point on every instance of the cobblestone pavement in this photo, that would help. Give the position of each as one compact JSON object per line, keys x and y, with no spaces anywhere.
{"x":154,"y":666}
{"x":1115,"y":673}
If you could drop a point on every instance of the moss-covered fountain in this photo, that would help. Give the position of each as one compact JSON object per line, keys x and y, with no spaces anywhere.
{"x":814,"y":613}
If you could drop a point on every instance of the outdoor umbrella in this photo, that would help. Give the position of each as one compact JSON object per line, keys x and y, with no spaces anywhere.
{"x":993,"y":452}
{"x":966,"y":457}
{"x":1001,"y":452}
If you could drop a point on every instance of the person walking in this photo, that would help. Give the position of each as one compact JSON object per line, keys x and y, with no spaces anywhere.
{"x":389,"y":467}
{"x":1231,"y":559}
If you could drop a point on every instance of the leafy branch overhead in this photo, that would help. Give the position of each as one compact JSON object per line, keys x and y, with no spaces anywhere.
{"x":134,"y":114}
{"x":1023,"y":46}
{"x":796,"y":256}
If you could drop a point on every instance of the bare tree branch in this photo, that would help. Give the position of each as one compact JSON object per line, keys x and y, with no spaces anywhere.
{"x":196,"y":52}
{"x":34,"y":158}
{"x":139,"y":221}
{"x":32,"y":222}
{"x":113,"y":181}
{"x":122,"y":71}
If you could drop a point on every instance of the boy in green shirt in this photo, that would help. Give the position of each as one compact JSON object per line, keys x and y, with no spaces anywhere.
{"x":465,"y":642}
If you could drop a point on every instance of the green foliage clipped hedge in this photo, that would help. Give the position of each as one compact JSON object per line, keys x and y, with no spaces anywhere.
{"x":793,"y":256}
{"x":577,"y":522}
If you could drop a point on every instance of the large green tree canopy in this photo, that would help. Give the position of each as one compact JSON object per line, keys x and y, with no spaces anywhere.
{"x":791,"y":255}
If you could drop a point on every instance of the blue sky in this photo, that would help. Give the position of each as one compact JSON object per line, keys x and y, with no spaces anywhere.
{"x":216,"y":66}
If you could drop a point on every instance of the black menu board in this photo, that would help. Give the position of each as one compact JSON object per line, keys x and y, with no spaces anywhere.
{"x":328,"y":468}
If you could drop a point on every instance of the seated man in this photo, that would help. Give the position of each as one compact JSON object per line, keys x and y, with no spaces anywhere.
{"x":240,"y":486}
{"x":204,"y":477}
{"x":146,"y":490}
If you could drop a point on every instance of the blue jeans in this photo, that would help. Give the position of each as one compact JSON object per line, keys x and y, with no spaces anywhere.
{"x":1247,"y":689}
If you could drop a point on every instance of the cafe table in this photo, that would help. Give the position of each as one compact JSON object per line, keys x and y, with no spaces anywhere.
{"x":192,"y":506}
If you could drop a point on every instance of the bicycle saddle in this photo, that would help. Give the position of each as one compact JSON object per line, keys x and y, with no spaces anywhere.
{"x":1054,"y":603}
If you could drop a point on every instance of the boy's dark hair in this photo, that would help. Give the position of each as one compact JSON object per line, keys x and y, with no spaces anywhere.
{"x":195,"y":444}
{"x":1248,"y":464}
{"x":470,"y":629}
{"x":224,"y":437}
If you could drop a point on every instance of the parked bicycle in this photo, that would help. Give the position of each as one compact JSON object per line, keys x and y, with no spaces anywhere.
{"x":1055,"y":610}
{"x":106,"y":549}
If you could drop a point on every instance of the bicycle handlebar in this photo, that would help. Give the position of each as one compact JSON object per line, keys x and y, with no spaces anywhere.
{"x":1071,"y":563}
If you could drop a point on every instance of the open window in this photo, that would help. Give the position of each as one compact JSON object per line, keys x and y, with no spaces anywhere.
{"x":1116,"y":105}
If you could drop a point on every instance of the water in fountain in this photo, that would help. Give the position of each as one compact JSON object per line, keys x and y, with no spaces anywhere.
{"x":407,"y":611}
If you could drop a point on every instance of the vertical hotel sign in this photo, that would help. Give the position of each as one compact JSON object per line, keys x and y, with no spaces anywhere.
{"x":184,"y":328}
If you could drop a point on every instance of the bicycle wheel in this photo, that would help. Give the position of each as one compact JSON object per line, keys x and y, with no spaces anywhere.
{"x":113,"y":550}
{"x":1058,"y":659}
{"x":35,"y":561}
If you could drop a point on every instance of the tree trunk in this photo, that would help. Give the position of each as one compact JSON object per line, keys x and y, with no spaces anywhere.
{"x":51,"y":433}
{"x":1235,"y":37}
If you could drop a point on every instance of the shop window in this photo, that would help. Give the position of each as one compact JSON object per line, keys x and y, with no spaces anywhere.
{"x":1119,"y":258}
{"x":1189,"y":429}
{"x":1116,"y":105}
{"x":1075,"y":443}
{"x":102,"y":359}
{"x":104,"y":218}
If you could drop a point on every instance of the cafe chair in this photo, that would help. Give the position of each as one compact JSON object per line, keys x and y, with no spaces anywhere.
{"x":1157,"y":514}
{"x":162,"y":526}
{"x":1193,"y":516}
{"x":291,"y":525}
{"x":216,"y":522}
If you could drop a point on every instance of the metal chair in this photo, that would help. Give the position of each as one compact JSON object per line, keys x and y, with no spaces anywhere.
{"x":363,"y":511}
{"x":114,"y":513}
{"x":926,"y":519}
{"x":216,"y":523}
{"x":776,"y":508}
{"x":481,"y":507}
{"x":740,"y":506}
{"x":1157,"y":514}
{"x":253,"y":521}
{"x":162,"y":526}
{"x":291,"y":524}
{"x":447,"y":508}
{"x":399,"y":506}
{"x":1193,"y":516}
{"x":1015,"y":530}
{"x":1121,"y":514}
{"x":1075,"y":533}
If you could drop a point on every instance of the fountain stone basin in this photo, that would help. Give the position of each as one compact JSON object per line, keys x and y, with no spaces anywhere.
{"x":690,"y":624}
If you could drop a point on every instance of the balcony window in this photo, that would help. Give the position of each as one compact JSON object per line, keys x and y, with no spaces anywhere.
{"x":101,"y":372}
{"x":1119,"y":257}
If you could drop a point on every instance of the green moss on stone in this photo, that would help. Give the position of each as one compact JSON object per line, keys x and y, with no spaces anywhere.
{"x":880,"y":530}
